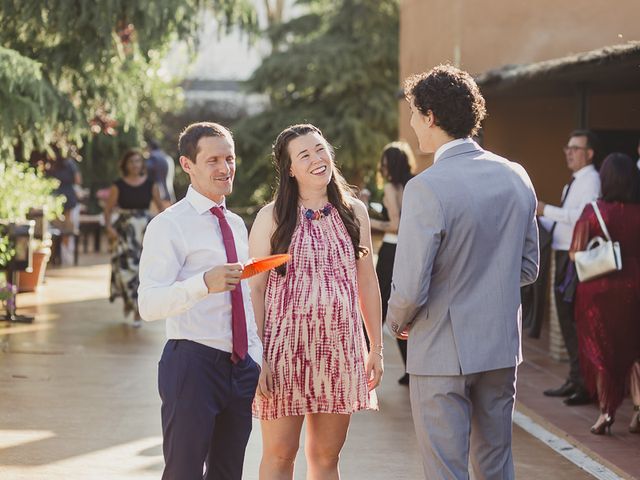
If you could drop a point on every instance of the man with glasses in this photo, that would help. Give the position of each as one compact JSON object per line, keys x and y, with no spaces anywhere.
{"x":583,"y":188}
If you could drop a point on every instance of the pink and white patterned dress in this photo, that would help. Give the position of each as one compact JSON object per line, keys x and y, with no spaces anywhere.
{"x":313,"y":337}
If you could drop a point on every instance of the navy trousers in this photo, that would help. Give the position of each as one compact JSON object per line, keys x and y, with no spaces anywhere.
{"x":206,"y":411}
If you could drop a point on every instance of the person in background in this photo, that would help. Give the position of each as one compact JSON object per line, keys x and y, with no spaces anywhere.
{"x":396,"y":168}
{"x":316,"y":368}
{"x":608,"y":308}
{"x":583,"y":188}
{"x":132,"y":195}
{"x":67,"y":172}
{"x":535,"y":295}
{"x":161,"y":169}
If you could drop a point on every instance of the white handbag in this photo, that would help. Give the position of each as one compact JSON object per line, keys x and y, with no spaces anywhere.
{"x":600,"y":257}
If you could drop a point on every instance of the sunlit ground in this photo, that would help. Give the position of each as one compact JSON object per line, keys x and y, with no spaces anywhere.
{"x":78,"y":398}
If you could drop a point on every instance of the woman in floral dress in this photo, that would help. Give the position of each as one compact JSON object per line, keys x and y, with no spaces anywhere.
{"x":131,"y":195}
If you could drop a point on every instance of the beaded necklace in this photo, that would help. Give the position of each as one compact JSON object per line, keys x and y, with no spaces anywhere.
{"x":317,"y":214}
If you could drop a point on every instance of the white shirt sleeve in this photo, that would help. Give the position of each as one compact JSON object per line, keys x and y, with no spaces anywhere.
{"x":589,"y":190}
{"x":160,"y":294}
{"x":254,"y":343}
{"x":562,"y":215}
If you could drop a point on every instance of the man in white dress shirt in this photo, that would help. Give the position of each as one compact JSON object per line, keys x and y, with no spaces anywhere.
{"x":583,"y":188}
{"x":190,"y":275}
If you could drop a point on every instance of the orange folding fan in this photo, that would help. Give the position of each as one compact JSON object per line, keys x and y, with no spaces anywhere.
{"x":259,"y":265}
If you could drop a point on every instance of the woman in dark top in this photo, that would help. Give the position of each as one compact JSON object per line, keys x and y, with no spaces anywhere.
{"x":607,"y":309}
{"x":132,"y":195}
{"x":396,"y":166}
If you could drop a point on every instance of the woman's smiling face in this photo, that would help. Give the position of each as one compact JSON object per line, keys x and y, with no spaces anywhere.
{"x":311,"y":160}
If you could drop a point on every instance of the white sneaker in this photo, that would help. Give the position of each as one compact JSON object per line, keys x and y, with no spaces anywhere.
{"x":137,"y":323}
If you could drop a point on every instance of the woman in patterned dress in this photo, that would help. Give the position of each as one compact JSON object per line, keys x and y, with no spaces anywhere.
{"x":132,"y":194}
{"x":310,"y":311}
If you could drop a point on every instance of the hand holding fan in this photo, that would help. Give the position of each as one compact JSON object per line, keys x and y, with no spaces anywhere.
{"x":259,"y":265}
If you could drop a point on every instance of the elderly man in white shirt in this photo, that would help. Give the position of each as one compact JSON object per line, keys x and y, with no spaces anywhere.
{"x":583,"y":188}
{"x":190,"y":275}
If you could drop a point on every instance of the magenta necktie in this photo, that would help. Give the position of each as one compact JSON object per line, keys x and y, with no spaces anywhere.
{"x":238,"y":319}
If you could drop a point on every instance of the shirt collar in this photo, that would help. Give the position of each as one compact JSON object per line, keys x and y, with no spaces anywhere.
{"x":200,"y":202}
{"x":584,"y":170}
{"x":451,"y":144}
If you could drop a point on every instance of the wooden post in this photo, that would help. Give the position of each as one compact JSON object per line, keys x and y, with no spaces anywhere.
{"x":557,"y":350}
{"x":583,"y":106}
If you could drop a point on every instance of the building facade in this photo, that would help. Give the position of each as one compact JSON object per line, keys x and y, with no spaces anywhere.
{"x":545,"y":68}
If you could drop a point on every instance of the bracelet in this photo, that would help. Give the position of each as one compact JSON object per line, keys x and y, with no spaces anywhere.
{"x":377,"y":352}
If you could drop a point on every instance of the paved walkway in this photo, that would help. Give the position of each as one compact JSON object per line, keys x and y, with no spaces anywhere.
{"x":78,"y":398}
{"x":620,"y":451}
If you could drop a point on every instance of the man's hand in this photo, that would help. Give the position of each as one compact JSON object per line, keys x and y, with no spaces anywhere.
{"x":223,"y":278}
{"x":395,"y":329}
{"x":403,"y":335}
{"x":540,"y":208}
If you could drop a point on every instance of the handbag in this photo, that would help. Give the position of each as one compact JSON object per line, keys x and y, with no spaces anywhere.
{"x":602,"y":256}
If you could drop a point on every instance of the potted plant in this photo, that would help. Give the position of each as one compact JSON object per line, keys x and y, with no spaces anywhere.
{"x":23,"y":188}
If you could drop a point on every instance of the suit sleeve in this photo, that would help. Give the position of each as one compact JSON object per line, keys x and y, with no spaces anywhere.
{"x":422,"y":226}
{"x":531,"y":247}
{"x":530,"y":254}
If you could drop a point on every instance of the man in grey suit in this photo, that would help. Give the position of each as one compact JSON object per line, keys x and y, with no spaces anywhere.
{"x":468,"y":241}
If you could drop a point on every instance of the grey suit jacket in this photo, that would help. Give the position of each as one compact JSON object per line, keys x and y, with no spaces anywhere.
{"x":468,"y":241}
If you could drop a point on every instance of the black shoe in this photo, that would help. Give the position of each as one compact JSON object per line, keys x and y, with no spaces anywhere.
{"x":566,"y":390}
{"x":603,"y":425}
{"x":581,"y":397}
{"x":404,"y":380}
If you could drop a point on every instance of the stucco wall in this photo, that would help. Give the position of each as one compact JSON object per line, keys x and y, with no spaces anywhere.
{"x":479,"y":36}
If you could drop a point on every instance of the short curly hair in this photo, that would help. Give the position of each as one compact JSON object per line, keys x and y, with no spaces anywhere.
{"x":451,"y":95}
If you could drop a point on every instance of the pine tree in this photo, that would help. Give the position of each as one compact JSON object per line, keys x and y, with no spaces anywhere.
{"x":336,"y":67}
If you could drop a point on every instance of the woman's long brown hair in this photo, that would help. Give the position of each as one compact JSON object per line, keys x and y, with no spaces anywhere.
{"x":287,"y":196}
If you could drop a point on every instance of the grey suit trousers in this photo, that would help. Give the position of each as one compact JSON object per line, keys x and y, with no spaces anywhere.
{"x":464,"y":422}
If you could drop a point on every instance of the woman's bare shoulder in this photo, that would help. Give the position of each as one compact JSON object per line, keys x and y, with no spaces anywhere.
{"x":264,"y":217}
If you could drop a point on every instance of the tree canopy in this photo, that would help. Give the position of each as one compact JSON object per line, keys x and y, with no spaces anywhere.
{"x":336,"y":66}
{"x":70,"y":68}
